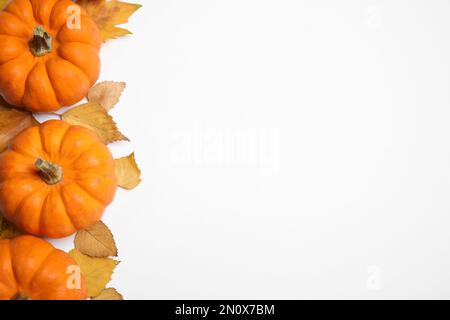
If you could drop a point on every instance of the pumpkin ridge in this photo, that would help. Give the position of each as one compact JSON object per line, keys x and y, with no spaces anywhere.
{"x":41,"y":72}
{"x":50,"y":18}
{"x":11,"y":217}
{"x":64,"y":206}
{"x":83,"y":42}
{"x":26,"y":157}
{"x":112,"y":177}
{"x":70,"y":59}
{"x":19,"y":21}
{"x":64,"y":136}
{"x":14,"y":95}
{"x":42,"y":138}
{"x":19,"y":18}
{"x":51,"y":27}
{"x":56,"y":32}
{"x":88,"y":18}
{"x":41,"y":215}
{"x":23,"y":55}
{"x":14,"y":264}
{"x":25,"y":40}
{"x":21,"y":203}
{"x":18,"y":57}
{"x":51,"y":15}
{"x":84,"y":74}
{"x":13,"y":270}
{"x":18,"y":54}
{"x":44,"y":154}
{"x":67,"y":210}
{"x":36,"y":20}
{"x":51,"y":82}
{"x":21,"y":160}
{"x":89,"y":193}
{"x":41,"y":266}
{"x":19,"y":177}
{"x":99,"y":203}
{"x":27,"y":79}
{"x":25,"y":152}
{"x":88,"y":149}
{"x":82,"y":153}
{"x":32,"y":10}
{"x":37,"y":10}
{"x":111,"y":180}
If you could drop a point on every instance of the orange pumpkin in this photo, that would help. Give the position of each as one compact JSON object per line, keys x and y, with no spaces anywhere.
{"x":56,"y":179}
{"x":49,"y":54}
{"x":31,"y":268}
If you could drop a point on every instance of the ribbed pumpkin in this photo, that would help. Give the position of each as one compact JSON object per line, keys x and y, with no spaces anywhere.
{"x":56,"y":179}
{"x":49,"y":56}
{"x":31,"y":268}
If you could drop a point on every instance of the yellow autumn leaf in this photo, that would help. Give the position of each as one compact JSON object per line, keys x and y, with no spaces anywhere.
{"x":109,"y":14}
{"x":106,"y":93}
{"x":3,"y":4}
{"x":109,"y":294}
{"x":12,"y":122}
{"x":93,"y":116}
{"x":97,"y":271}
{"x":96,"y":241}
{"x":127,"y":172}
{"x":7,"y":230}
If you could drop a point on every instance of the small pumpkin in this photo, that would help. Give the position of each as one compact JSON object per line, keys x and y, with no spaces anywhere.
{"x":49,"y":54}
{"x":55,"y":179}
{"x":31,"y":268}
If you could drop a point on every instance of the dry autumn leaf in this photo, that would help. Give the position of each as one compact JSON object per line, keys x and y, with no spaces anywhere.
{"x":109,"y":294}
{"x":7,"y":230}
{"x":97,"y":271}
{"x":127,"y":172}
{"x":96,"y":241}
{"x":3,"y":3}
{"x":109,"y":14}
{"x":93,"y":116}
{"x":12,"y":122}
{"x":106,"y":93}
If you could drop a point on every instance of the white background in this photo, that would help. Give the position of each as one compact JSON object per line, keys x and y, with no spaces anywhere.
{"x":289,"y":149}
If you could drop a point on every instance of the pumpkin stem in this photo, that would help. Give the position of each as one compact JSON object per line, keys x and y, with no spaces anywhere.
{"x":41,"y":43}
{"x":20,"y":296}
{"x":51,"y":173}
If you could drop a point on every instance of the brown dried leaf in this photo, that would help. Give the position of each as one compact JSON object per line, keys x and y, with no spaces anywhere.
{"x":108,"y":14}
{"x":93,"y":116}
{"x":109,"y":294}
{"x":7,"y":230}
{"x":106,"y":93}
{"x":3,"y":4}
{"x":97,"y":271}
{"x":127,"y":172}
{"x":96,"y":241}
{"x":12,"y":122}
